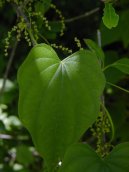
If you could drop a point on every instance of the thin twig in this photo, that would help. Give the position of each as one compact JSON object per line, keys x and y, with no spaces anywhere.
{"x":10,"y":137}
{"x":44,"y":38}
{"x":111,"y":123}
{"x":118,"y":87}
{"x":87,"y":14}
{"x":5,"y":137}
{"x":8,"y":68}
{"x":99,"y":38}
{"x":20,"y":13}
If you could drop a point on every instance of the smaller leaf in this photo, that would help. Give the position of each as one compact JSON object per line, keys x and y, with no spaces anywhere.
{"x":122,"y":65}
{"x":42,"y":6}
{"x":110,"y":18}
{"x":82,"y":158}
{"x":46,"y":3}
{"x":95,"y":48}
{"x":39,"y":7}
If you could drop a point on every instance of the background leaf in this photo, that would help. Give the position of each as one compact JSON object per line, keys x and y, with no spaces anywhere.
{"x":59,"y":100}
{"x":24,"y":155}
{"x":81,"y":157}
{"x":95,"y":48}
{"x":120,"y":33}
{"x":110,"y":18}
{"x":42,"y":6}
{"x":122,"y":65}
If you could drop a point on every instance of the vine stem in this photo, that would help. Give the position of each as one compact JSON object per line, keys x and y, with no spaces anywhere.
{"x":106,"y":67}
{"x":87,"y":14}
{"x":116,"y":86}
{"x":34,"y":42}
{"x":5,"y":137}
{"x":99,"y":38}
{"x":11,"y":137}
{"x":8,"y":68}
{"x":44,"y":38}
{"x":111,"y":123}
{"x":20,"y":13}
{"x":104,"y":110}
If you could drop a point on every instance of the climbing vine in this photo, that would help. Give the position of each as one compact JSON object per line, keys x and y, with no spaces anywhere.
{"x":63,"y":88}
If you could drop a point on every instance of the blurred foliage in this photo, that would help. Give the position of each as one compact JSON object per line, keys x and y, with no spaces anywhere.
{"x":16,"y":148}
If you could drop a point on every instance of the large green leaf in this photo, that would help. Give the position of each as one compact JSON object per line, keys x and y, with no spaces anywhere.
{"x":59,"y":100}
{"x":82,"y":158}
{"x":110,"y":18}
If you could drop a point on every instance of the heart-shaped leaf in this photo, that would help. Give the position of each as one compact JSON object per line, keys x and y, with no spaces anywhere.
{"x":59,"y":100}
{"x":82,"y":158}
{"x":110,"y":18}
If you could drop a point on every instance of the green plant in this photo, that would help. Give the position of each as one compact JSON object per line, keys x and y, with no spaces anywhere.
{"x":61,"y":100}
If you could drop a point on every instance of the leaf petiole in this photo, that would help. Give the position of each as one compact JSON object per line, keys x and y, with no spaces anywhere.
{"x":116,"y":86}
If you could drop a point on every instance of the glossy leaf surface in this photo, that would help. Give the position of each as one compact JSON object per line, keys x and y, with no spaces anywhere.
{"x":59,"y":100}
